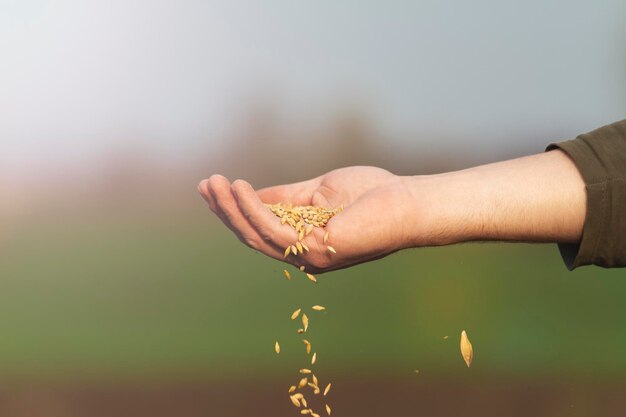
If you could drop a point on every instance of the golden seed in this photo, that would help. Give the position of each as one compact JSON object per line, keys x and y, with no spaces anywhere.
{"x":308,"y":346}
{"x":301,"y":234}
{"x":311,"y":277}
{"x":445,"y":337}
{"x":301,"y":268}
{"x":294,"y":250}
{"x":287,"y":274}
{"x":327,"y":389}
{"x":295,"y":314}
{"x":318,"y":308}
{"x":314,"y":358}
{"x":305,"y":321}
{"x":305,"y":371}
{"x":294,"y":401}
{"x":300,"y":331}
{"x":331,"y":249}
{"x":305,"y":411}
{"x":314,"y":379}
{"x":306,"y":248}
{"x":292,"y":389}
{"x":298,"y":396}
{"x":466,"y":349}
{"x":304,"y":402}
{"x":309,"y":229}
{"x":287,"y":251}
{"x":327,"y":409}
{"x":299,"y":246}
{"x":326,"y":237}
{"x":303,"y":382}
{"x":314,"y":414}
{"x":277,"y":347}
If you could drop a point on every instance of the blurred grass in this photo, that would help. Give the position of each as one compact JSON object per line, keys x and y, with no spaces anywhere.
{"x":180,"y":294}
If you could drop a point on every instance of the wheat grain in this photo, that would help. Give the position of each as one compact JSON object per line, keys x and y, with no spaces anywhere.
{"x":292,"y":389}
{"x":466,"y":349}
{"x":327,"y":389}
{"x":305,"y":371}
{"x":331,"y":249}
{"x":314,"y":358}
{"x":295,"y":314}
{"x":277,"y":348}
{"x":305,"y":321}
{"x":318,"y":308}
{"x":311,"y":277}
{"x":287,"y":274}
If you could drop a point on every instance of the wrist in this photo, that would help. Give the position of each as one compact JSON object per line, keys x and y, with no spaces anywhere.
{"x":445,"y":209}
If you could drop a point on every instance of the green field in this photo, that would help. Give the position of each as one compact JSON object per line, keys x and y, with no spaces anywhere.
{"x":165,"y":295}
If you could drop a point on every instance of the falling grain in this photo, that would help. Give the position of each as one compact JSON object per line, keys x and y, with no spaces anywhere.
{"x":301,"y":268}
{"x":331,"y":249}
{"x":327,"y":409}
{"x":287,"y":251}
{"x":327,"y":389}
{"x":318,"y":308}
{"x":305,"y":371}
{"x":308,"y":346}
{"x":303,"y":382}
{"x":466,"y":349}
{"x":305,"y":321}
{"x":294,"y":401}
{"x":311,"y":277}
{"x":314,"y":358}
{"x":325,"y":237}
{"x":294,"y":250}
{"x":295,"y":314}
{"x":292,"y":389}
{"x":299,"y":247}
{"x":287,"y":274}
{"x":300,"y":331}
{"x":277,"y":348}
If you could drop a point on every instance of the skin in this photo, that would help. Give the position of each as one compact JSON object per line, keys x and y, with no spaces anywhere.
{"x":538,"y":198}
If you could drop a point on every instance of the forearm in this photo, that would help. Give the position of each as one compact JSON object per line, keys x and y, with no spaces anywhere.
{"x":539,"y":198}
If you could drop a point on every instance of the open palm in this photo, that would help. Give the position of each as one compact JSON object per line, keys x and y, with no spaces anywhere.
{"x":370,"y":226}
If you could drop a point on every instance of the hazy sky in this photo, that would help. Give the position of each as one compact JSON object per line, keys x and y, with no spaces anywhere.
{"x":77,"y":77}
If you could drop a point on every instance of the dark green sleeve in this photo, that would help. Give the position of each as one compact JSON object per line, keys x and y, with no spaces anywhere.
{"x":600,"y":156}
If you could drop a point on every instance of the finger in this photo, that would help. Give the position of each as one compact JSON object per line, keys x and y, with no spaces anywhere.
{"x":261,"y":218}
{"x":219,"y":188}
{"x":203,"y":189}
{"x":299,"y":193}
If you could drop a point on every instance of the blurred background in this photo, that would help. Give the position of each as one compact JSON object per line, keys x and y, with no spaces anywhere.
{"x":121,"y":295}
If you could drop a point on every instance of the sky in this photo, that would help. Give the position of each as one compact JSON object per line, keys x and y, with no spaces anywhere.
{"x":80,"y":77}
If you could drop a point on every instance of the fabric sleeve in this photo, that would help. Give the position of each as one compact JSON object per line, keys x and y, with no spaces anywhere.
{"x":600,"y":156}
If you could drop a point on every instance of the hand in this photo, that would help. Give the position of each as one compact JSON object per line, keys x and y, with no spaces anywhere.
{"x":374,"y":222}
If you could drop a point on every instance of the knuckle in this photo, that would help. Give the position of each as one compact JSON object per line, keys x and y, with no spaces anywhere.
{"x":251,"y":242}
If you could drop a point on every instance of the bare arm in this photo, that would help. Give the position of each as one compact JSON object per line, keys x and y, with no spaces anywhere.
{"x":539,"y":198}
